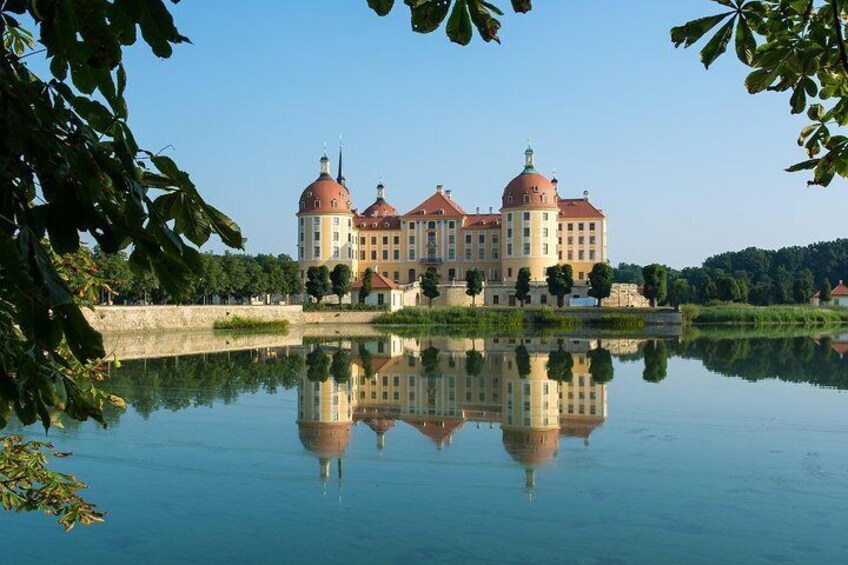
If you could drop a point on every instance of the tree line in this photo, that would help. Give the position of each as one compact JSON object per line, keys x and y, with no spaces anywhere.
{"x":790,"y":275}
{"x":230,"y":277}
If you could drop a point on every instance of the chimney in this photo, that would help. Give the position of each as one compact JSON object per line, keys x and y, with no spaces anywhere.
{"x":490,"y":209}
{"x":440,"y":188}
{"x":585,"y":195}
{"x":448,"y":194}
{"x":478,"y":210}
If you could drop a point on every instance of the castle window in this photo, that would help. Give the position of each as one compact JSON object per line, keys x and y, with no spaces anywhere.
{"x":526,"y":232}
{"x":509,"y":199}
{"x":302,"y":205}
{"x":334,"y":204}
{"x":451,"y":224}
{"x":481,"y":238}
{"x":317,"y":204}
{"x":468,"y":239}
{"x":431,"y":225}
{"x":335,"y":220}
{"x":412,"y":225}
{"x":397,"y":240}
{"x":527,"y":199}
{"x":317,"y":252}
{"x":545,"y":201}
{"x":592,"y":226}
{"x":526,"y":249}
{"x":544,"y":249}
{"x":509,"y":217}
{"x":316,"y":236}
{"x":526,"y":216}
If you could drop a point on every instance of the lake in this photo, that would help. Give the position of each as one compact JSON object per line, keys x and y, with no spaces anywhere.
{"x":411,"y":449}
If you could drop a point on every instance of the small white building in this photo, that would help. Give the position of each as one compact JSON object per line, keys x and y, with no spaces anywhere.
{"x":384,"y":292}
{"x":839,"y":296}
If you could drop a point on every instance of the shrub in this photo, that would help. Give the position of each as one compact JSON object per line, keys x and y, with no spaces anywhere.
{"x":251,"y":324}
{"x":619,"y":322}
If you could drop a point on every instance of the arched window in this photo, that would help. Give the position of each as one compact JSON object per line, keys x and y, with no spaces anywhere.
{"x":302,"y":205}
{"x":317,"y":204}
{"x":334,"y":204}
{"x":509,"y":199}
{"x":526,"y":199}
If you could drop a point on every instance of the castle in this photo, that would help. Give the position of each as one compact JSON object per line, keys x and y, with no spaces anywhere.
{"x":534,"y":228}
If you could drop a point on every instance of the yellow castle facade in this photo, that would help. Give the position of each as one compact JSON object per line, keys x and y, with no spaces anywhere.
{"x":534,"y":228}
{"x":439,"y":386}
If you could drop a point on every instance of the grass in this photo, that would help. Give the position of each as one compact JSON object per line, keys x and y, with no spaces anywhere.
{"x":745,"y":315}
{"x":237,"y":323}
{"x":483,"y":318}
{"x":619,"y":322}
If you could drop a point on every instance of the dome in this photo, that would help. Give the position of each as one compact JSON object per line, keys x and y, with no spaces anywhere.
{"x":530,"y":189}
{"x":324,"y":440}
{"x":531,"y":447}
{"x":380,"y":208}
{"x":325,"y":196}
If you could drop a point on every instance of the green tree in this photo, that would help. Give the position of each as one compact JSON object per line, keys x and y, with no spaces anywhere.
{"x":826,"y":291}
{"x":728,"y":289}
{"x":367,"y":361}
{"x":680,"y":292}
{"x":600,"y":365}
{"x":318,"y":282}
{"x":600,"y":279}
{"x":340,"y":366}
{"x":522,"y":361}
{"x":115,"y":271}
{"x":430,"y":285}
{"x":656,"y":361}
{"x":522,"y":285}
{"x":340,"y":279}
{"x":317,"y":365}
{"x":473,"y":362}
{"x":802,"y":287}
{"x":473,"y":284}
{"x":560,"y":365}
{"x":430,"y":361}
{"x":213,"y":279}
{"x":367,"y":281}
{"x":656,"y":283}
{"x":628,"y":273}
{"x":235,"y":276}
{"x":560,"y":280}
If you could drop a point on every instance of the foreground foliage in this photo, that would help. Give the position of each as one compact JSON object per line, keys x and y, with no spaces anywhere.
{"x":27,"y":484}
{"x":737,"y":314}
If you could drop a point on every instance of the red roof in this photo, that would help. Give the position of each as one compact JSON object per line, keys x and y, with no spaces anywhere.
{"x":438,"y":430}
{"x":439,"y":204}
{"x":380,"y":208}
{"x":840,"y":290}
{"x":319,"y":197}
{"x":578,"y":208}
{"x":532,"y":187}
{"x":386,"y":223}
{"x":378,"y":282}
{"x":483,"y":221}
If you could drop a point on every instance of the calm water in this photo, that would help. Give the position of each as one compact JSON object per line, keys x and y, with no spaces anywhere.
{"x":405,"y":450}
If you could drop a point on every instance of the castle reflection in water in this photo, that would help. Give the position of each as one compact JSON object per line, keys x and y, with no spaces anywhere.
{"x":437,"y":385}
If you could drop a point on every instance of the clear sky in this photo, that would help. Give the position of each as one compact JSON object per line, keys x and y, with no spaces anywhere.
{"x":683,"y":161}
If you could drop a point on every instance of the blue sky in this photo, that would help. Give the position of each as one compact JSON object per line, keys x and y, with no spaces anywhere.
{"x":684,"y":162}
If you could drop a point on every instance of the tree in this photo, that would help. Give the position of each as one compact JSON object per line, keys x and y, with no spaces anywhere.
{"x":235,"y":276}
{"x":473,"y":362}
{"x":600,"y":280}
{"x":560,"y":364}
{"x":600,"y":365}
{"x":318,"y":282}
{"x":115,"y":271}
{"x":430,"y":285}
{"x":728,"y":289}
{"x":473,"y":284}
{"x":680,"y":292}
{"x":656,"y":361}
{"x":522,"y":361}
{"x":340,"y":279}
{"x":317,"y":365}
{"x":826,"y":291}
{"x":802,"y":287}
{"x":560,"y":280}
{"x":430,"y":361}
{"x":656,"y":283}
{"x":72,"y":170}
{"x":522,"y":285}
{"x":628,"y":273}
{"x":340,"y":366}
{"x":367,"y":281}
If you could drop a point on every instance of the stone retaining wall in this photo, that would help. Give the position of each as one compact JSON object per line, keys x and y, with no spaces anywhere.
{"x":157,"y":318}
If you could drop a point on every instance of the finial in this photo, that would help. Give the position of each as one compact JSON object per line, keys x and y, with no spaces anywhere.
{"x":529,"y":159}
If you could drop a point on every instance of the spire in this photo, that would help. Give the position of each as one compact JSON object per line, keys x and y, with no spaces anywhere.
{"x":340,"y":178}
{"x":325,"y":163}
{"x":529,"y":159}
{"x":381,"y":191}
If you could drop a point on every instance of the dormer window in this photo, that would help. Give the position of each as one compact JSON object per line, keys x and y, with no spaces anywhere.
{"x":526,"y":199}
{"x":544,"y":199}
{"x":302,"y":205}
{"x":509,"y":199}
{"x":309,"y":194}
{"x":334,"y":204}
{"x":317,"y":204}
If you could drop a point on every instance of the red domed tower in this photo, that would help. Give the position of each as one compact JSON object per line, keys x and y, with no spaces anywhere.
{"x":325,"y":227}
{"x":530,"y":211}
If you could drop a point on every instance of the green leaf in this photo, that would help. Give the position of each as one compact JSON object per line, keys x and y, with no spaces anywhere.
{"x":459,"y":28}
{"x":428,"y":15}
{"x":717,"y":45}
{"x":746,"y":45}
{"x":522,"y":6}
{"x":381,"y":7}
{"x":689,"y":33}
